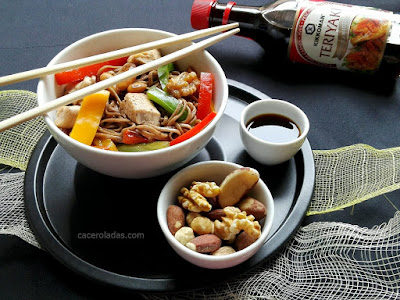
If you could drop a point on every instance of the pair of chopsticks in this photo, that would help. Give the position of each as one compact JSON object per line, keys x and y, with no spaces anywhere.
{"x":79,"y":94}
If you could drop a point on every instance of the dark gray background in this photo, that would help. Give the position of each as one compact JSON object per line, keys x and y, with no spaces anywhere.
{"x":344,"y":108}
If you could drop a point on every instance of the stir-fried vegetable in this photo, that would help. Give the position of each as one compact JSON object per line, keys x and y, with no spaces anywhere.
{"x":163,"y":74}
{"x":131,"y":138}
{"x":166,"y":101}
{"x":80,"y":73}
{"x":195,"y":130}
{"x":106,"y":144}
{"x":204,"y":106}
{"x":143,"y":146}
{"x":180,"y":96}
{"x":89,"y":117}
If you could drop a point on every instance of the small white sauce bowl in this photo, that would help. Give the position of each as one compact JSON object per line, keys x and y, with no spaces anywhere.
{"x":212,"y":171}
{"x":271,"y":153}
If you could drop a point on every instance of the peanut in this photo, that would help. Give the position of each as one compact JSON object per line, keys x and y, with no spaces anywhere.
{"x":137,"y":87}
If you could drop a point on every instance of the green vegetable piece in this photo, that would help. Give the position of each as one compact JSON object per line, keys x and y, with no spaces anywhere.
{"x":166,"y":101}
{"x":143,"y":146}
{"x":163,"y":74}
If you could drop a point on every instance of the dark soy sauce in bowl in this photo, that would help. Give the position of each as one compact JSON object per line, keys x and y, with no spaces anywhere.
{"x":273,"y":128}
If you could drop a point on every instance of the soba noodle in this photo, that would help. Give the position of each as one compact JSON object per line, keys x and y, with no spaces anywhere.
{"x":130,"y":112}
{"x":115,"y":122}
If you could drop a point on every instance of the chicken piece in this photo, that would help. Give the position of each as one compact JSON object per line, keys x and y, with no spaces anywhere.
{"x":139,"y":109}
{"x":144,"y":57}
{"x":88,"y":80}
{"x":66,"y":116}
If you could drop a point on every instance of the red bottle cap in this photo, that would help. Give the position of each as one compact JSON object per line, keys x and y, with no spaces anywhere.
{"x":227,"y":11}
{"x":201,"y":13}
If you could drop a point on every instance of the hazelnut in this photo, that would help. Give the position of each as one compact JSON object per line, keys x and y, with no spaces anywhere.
{"x":202,"y":225}
{"x":190,"y":217}
{"x":184,"y":235}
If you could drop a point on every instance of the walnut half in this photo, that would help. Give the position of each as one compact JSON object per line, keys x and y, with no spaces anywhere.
{"x":195,"y":199}
{"x":234,"y":222}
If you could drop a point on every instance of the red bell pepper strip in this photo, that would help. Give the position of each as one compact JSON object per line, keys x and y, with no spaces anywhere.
{"x":129,"y":137}
{"x":204,"y":106}
{"x":195,"y":130}
{"x":80,"y":73}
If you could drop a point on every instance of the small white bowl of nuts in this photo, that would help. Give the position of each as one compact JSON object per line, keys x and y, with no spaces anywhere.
{"x":216,"y":214}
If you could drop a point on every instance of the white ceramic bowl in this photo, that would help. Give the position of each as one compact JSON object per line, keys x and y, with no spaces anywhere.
{"x":271,"y":153}
{"x":211,"y":171}
{"x":140,"y":164}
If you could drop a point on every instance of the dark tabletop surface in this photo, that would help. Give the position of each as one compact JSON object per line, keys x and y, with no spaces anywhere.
{"x":343,"y":108}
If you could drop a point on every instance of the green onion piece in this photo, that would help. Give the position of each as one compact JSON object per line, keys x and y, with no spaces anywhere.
{"x":166,"y":101}
{"x":163,"y":74}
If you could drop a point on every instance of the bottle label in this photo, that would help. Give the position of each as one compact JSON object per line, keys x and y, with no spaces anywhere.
{"x":339,"y":36}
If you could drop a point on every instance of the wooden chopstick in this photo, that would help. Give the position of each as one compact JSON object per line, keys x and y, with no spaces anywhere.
{"x":79,"y":94}
{"x":31,"y":74}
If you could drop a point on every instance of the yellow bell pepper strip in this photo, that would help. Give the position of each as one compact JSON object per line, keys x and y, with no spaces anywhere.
{"x":89,"y":117}
{"x":204,"y":106}
{"x":163,"y":74}
{"x":143,"y":146}
{"x":130,"y":137}
{"x":195,"y":130}
{"x":106,"y":144}
{"x":166,"y":101}
{"x":80,"y":73}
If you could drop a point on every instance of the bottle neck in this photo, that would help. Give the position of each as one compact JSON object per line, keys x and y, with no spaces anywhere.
{"x":254,"y":22}
{"x":253,"y":25}
{"x":248,"y":17}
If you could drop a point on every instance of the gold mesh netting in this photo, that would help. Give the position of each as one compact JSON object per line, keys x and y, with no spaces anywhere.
{"x":324,"y":260}
{"x":12,"y":211}
{"x":17,"y":143}
{"x":350,"y":175}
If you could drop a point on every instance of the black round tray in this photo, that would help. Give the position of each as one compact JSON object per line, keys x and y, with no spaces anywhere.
{"x":106,"y":228}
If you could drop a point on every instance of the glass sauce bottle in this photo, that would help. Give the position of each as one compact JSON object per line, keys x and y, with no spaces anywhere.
{"x":326,"y":34}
